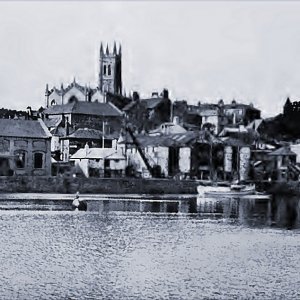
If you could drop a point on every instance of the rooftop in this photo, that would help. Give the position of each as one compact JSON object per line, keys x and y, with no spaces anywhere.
{"x":23,"y":128}
{"x":85,"y":108}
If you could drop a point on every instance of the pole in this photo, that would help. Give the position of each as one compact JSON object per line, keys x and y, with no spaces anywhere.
{"x":103,"y":131}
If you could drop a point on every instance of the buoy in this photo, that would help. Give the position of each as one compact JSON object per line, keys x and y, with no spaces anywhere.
{"x":78,"y":204}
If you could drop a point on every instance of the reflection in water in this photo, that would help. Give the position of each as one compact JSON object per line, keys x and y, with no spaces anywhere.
{"x":186,"y":249}
{"x":277,"y":211}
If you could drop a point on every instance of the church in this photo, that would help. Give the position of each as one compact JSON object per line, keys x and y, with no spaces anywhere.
{"x":109,"y":83}
{"x":78,"y":114}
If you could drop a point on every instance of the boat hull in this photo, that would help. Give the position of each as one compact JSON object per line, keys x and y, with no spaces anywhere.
{"x":225,"y":191}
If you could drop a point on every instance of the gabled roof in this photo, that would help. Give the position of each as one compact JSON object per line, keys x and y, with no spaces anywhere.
{"x":86,"y":133}
{"x":53,"y":122}
{"x":152,"y":102}
{"x":23,"y":128}
{"x":129,"y":106}
{"x":176,"y":140}
{"x":98,"y":153}
{"x":255,"y":124}
{"x":85,"y":108}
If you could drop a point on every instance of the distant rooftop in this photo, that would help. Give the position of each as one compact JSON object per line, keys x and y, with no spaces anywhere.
{"x":85,"y":108}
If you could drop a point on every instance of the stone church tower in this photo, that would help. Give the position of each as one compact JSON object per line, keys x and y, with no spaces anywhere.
{"x":110,"y":70}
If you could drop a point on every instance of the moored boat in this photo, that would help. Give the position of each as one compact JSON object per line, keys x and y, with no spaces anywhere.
{"x":229,"y":191}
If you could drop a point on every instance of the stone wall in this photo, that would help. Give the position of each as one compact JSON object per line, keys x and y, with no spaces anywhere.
{"x":26,"y":184}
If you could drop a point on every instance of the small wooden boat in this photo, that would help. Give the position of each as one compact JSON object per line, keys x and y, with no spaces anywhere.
{"x":234,"y":190}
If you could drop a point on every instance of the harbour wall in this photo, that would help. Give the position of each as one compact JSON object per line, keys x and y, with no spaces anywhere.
{"x":53,"y":184}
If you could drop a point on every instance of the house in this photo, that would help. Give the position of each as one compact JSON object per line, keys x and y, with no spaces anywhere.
{"x":75,"y":123}
{"x":168,"y":128}
{"x":238,"y":113}
{"x":283,"y":159}
{"x":153,"y":111}
{"x":100,"y":162}
{"x":25,"y":148}
{"x":164,"y":155}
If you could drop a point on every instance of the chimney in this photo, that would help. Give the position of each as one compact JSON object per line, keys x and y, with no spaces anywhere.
{"x":66,"y":126}
{"x":86,"y":148}
{"x":135,"y":96}
{"x":165,"y":94}
{"x":176,"y":120}
{"x":154,"y":94}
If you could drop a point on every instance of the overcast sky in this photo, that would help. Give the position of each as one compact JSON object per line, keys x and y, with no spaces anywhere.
{"x":200,"y":51}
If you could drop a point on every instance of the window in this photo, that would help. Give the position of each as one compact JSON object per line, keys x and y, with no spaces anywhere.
{"x":20,"y":157}
{"x":38,"y":160}
{"x":109,"y":70}
{"x":73,"y":99}
{"x":104,"y":70}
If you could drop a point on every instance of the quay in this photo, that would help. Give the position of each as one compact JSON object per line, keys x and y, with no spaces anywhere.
{"x":95,"y":197}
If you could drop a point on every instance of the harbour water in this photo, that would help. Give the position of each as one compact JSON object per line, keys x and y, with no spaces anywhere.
{"x":189,"y":249}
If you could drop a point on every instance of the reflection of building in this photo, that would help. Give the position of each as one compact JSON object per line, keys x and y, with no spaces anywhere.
{"x":24,"y":148}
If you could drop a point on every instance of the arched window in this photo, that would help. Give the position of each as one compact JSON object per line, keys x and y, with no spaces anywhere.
{"x":38,"y":160}
{"x":104,"y":70}
{"x":20,"y":159}
{"x":73,"y":99}
{"x":109,"y":70}
{"x":53,"y":102}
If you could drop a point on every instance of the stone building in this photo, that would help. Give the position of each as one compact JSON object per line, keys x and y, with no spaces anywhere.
{"x":100,"y":162}
{"x":24,"y":148}
{"x":153,"y":111}
{"x":109,"y":81}
{"x":193,"y":117}
{"x":73,"y":123}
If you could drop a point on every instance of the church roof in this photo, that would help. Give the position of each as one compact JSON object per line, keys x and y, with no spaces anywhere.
{"x":85,"y":108}
{"x":23,"y":128}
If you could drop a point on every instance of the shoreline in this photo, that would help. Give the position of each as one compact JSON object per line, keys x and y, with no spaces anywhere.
{"x":94,"y":197}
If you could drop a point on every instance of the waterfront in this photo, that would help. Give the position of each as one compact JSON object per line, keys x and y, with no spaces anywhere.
{"x":193,"y":249}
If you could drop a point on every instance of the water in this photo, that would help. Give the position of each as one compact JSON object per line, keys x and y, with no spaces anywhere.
{"x":194,"y":249}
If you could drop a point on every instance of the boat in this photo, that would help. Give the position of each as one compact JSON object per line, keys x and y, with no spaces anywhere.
{"x":234,"y":190}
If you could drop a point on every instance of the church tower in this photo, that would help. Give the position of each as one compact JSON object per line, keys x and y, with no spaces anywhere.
{"x":110,"y":70}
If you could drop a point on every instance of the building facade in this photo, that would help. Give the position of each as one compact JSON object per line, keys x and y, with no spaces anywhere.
{"x":24,"y":148}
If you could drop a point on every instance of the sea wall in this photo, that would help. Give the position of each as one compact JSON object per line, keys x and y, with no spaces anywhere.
{"x":41,"y":184}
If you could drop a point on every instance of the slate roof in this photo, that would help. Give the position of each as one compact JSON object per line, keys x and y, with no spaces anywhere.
{"x":23,"y":128}
{"x":129,"y":106}
{"x":85,"y":108}
{"x":176,"y":140}
{"x":53,"y":122}
{"x":97,"y":153}
{"x":86,"y":133}
{"x":152,"y":102}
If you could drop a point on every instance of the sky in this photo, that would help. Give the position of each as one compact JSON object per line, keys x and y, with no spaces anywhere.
{"x":200,"y":51}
